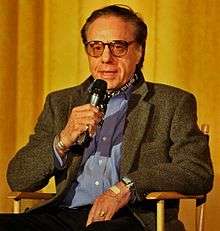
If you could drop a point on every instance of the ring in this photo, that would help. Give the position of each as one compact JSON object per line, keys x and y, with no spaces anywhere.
{"x":102,"y":214}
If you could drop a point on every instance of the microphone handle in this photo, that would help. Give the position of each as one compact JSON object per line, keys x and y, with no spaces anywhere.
{"x":83,"y":138}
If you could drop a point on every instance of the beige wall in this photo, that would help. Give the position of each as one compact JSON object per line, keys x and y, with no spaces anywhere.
{"x":40,"y":51}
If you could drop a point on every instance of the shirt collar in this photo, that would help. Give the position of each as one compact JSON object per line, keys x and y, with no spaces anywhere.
{"x":126,"y":89}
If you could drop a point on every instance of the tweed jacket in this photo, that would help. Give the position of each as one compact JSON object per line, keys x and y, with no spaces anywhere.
{"x":162,"y":150}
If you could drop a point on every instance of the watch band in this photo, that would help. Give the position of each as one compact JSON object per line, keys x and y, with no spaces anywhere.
{"x":115,"y":189}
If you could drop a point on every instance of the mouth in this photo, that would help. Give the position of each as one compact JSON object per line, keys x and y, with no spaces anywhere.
{"x":108,"y":74}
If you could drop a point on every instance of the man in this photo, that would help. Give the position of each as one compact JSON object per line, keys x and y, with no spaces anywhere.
{"x":147,"y":140}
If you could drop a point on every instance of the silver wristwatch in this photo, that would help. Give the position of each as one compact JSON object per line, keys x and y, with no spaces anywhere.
{"x":128,"y":183}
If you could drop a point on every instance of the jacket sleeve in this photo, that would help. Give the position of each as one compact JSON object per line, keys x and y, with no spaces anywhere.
{"x":189,"y":170}
{"x":33,"y":165}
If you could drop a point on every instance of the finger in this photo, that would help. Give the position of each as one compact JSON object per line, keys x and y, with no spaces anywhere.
{"x":109,"y":215}
{"x":95,"y":217}
{"x":89,"y":220}
{"x":111,"y":209}
{"x":87,"y":113}
{"x":90,"y":118}
{"x":103,"y":209}
{"x":89,"y":123}
{"x":80,"y":125}
{"x":86,"y":107}
{"x":91,"y":215}
{"x":98,"y":212}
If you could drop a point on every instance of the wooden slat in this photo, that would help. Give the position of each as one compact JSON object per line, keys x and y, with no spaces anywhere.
{"x":170,"y":195}
{"x":30,"y":195}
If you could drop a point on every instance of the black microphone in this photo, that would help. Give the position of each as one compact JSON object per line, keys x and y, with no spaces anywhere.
{"x":98,"y":98}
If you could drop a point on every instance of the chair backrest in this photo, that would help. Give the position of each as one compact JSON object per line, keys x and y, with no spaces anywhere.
{"x":201,"y":202}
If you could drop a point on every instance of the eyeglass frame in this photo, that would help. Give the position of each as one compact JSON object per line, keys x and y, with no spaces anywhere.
{"x":110,"y":47}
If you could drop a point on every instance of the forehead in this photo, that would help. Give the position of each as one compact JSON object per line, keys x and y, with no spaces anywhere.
{"x":106,"y":28}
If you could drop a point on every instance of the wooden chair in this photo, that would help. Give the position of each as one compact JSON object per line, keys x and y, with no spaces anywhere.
{"x":159,"y":197}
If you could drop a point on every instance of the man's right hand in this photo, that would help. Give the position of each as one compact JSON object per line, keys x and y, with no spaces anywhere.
{"x":82,"y":118}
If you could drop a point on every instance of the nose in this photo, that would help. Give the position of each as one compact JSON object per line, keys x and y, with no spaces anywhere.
{"x":106,"y":55}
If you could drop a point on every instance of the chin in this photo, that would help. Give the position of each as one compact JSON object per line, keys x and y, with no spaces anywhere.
{"x":112,"y":87}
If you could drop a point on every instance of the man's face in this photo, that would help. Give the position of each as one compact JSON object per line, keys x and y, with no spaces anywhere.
{"x":116,"y":71}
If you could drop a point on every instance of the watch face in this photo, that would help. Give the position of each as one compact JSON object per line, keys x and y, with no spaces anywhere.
{"x":127,"y":182}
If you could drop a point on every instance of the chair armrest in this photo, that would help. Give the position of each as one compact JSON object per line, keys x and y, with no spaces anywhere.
{"x":160,"y":198}
{"x":171,"y":195}
{"x":30,"y":195}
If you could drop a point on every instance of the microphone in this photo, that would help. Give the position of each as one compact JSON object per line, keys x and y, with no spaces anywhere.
{"x":98,"y":98}
{"x":98,"y":93}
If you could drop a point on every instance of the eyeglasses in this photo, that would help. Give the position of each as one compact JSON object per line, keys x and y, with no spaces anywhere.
{"x":118,"y":48}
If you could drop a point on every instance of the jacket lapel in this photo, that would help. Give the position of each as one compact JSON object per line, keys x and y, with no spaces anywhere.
{"x":135,"y":127}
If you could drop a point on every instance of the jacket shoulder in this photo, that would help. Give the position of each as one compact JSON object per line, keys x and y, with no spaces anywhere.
{"x":166,"y":89}
{"x":167,"y":92}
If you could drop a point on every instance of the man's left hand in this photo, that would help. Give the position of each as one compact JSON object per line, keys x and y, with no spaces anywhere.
{"x":107,"y":204}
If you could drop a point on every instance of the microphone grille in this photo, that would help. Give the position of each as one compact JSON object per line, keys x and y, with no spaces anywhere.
{"x":98,"y":86}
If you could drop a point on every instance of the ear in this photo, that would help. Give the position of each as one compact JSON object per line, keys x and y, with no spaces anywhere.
{"x":138,"y":53}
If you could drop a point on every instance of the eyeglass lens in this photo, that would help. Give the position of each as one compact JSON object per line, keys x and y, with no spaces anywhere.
{"x":118,"y":48}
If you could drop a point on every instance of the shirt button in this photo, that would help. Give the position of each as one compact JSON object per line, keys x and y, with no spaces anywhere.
{"x":104,"y":138}
{"x":97,"y":183}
